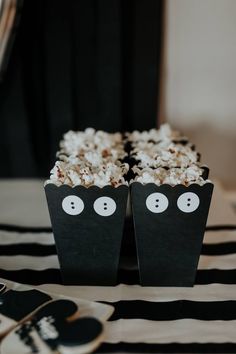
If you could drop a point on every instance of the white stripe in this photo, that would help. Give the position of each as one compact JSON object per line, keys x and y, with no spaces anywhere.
{"x":28,"y":262}
{"x":180,"y":331}
{"x":221,"y":211}
{"x":212,"y":292}
{"x":44,"y":238}
{"x":218,"y":262}
{"x":10,"y":238}
{"x":219,"y":236}
{"x":23,"y":202}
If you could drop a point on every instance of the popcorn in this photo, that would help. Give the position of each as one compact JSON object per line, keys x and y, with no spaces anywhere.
{"x":172,"y":155}
{"x":77,"y":143}
{"x":172,"y":176}
{"x":75,"y":174}
{"x":164,"y":133}
{"x":95,"y":158}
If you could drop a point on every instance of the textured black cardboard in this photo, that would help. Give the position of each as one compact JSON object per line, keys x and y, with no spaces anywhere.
{"x":88,"y":245}
{"x":169,"y":243}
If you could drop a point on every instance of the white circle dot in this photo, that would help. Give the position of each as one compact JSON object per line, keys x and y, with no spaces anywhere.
{"x":104,"y":206}
{"x":188,"y":202}
{"x":72,"y":205}
{"x":157,"y":202}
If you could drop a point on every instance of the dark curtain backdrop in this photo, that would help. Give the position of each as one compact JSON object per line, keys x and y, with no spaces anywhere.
{"x":76,"y":64}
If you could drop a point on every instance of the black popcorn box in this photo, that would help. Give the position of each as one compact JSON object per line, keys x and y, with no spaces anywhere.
{"x":88,"y":226}
{"x":169,"y":225}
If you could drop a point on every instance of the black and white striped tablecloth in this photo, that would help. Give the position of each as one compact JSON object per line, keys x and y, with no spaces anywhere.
{"x":200,"y":319}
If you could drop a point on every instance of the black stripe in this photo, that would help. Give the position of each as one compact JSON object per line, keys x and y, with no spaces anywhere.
{"x":125,"y":277}
{"x":32,"y":229}
{"x":208,"y":348}
{"x":31,"y":249}
{"x":210,"y":276}
{"x":175,"y":310}
{"x":24,"y":229}
{"x":220,"y":227}
{"x":129,"y":277}
{"x":35,"y":249}
{"x":218,"y":248}
{"x":33,"y":277}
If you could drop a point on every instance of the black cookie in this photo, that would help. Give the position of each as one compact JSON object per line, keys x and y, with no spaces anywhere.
{"x":78,"y":333}
{"x":49,"y":329}
{"x":16,"y":305}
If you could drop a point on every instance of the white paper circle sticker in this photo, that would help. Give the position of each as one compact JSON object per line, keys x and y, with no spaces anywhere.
{"x":157,"y":202}
{"x":72,"y":205}
{"x":188,"y":202}
{"x":104,"y":206}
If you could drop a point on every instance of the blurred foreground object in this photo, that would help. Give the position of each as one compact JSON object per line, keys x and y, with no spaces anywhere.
{"x":9,"y":10}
